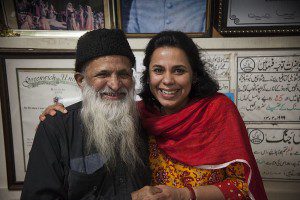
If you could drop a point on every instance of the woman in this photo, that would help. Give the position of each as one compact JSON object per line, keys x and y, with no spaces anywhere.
{"x":89,"y":18}
{"x":80,"y":17}
{"x":199,"y":148}
{"x":70,"y":17}
{"x":27,"y":23}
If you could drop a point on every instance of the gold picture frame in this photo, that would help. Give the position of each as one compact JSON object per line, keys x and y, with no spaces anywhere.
{"x":11,"y":20}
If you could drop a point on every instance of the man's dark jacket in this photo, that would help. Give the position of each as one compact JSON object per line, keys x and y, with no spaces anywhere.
{"x":60,"y":168}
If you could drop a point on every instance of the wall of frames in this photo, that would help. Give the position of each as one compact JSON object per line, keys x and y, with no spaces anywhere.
{"x":260,"y":74}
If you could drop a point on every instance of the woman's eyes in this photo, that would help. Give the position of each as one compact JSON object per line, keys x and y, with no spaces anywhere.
{"x":176,"y":70}
{"x":179,"y":71}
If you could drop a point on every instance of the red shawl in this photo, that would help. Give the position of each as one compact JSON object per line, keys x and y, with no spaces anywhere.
{"x":209,"y":131}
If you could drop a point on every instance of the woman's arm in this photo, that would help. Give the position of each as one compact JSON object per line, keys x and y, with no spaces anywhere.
{"x":234,"y":186}
{"x":51,"y":110}
{"x":208,"y":192}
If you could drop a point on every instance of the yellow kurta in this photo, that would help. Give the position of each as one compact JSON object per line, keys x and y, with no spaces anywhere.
{"x":166,"y":171}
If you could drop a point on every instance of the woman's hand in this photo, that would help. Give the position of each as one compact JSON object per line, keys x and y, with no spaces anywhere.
{"x":51,"y":110}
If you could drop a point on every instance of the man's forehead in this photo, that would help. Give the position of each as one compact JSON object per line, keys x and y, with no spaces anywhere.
{"x":114,"y":57}
{"x":110,"y":63}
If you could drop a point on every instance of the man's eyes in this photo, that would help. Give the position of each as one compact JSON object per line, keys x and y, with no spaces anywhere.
{"x":125,"y":75}
{"x":103,"y":75}
{"x":120,"y":75}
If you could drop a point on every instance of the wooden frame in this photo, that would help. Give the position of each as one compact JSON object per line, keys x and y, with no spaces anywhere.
{"x":237,"y":18}
{"x":13,"y":126}
{"x":124,"y":8}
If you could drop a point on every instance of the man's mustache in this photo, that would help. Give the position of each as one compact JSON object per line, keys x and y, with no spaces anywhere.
{"x":109,"y":91}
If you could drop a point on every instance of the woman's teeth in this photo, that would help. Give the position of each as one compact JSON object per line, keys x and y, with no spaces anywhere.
{"x":168,"y":92}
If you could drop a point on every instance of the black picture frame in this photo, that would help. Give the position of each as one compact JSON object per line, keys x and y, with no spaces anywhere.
{"x":7,"y":119}
{"x":234,"y":18}
{"x":124,"y":8}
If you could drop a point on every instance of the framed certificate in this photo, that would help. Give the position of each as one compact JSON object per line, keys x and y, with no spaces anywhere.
{"x":257,"y":17}
{"x":29,"y":83}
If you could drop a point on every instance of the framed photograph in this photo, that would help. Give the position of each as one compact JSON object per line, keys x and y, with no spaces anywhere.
{"x":30,"y":83}
{"x":143,"y":18}
{"x":46,"y":17}
{"x":257,"y":18}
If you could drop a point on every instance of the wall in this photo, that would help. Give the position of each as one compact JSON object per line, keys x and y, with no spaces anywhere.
{"x":4,"y":193}
{"x":275,"y":189}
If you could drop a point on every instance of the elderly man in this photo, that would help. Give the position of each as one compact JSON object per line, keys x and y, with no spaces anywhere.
{"x":96,"y":150}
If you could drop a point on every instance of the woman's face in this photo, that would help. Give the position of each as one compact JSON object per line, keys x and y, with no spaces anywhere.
{"x":170,"y":78}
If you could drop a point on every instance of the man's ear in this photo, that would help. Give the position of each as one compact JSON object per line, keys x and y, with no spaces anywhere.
{"x":79,"y":77}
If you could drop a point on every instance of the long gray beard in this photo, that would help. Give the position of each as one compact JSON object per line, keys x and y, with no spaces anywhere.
{"x":111,"y":127}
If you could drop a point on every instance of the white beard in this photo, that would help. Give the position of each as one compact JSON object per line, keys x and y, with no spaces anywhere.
{"x":111,"y":126}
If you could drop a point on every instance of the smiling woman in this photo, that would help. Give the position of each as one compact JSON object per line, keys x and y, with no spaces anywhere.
{"x":199,"y":147}
{"x":171,"y":78}
{"x":172,"y":49}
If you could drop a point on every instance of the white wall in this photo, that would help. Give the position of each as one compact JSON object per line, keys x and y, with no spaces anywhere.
{"x":275,"y":189}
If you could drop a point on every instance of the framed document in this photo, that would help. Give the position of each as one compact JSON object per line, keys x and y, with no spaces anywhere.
{"x":30,"y":83}
{"x":57,"y":18}
{"x":257,"y":17}
{"x":143,"y":18}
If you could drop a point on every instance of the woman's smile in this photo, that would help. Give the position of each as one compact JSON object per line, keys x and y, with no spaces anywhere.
{"x":170,"y":78}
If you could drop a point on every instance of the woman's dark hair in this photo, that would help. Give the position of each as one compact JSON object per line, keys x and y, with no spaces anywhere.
{"x":203,"y":85}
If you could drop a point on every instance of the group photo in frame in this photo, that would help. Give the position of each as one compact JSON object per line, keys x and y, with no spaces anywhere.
{"x":142,"y":18}
{"x":257,"y":18}
{"x":30,"y":83}
{"x":52,"y":17}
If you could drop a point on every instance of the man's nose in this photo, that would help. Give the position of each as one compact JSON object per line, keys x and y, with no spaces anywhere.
{"x":114,"y":83}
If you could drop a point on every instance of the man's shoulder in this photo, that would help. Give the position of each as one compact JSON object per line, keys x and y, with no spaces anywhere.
{"x":73,"y":110}
{"x":62,"y":125}
{"x":62,"y":118}
{"x":74,"y":107}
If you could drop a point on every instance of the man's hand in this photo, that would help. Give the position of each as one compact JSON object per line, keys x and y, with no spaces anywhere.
{"x":171,"y":193}
{"x":161,"y":192}
{"x":147,"y":193}
{"x":51,"y":110}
